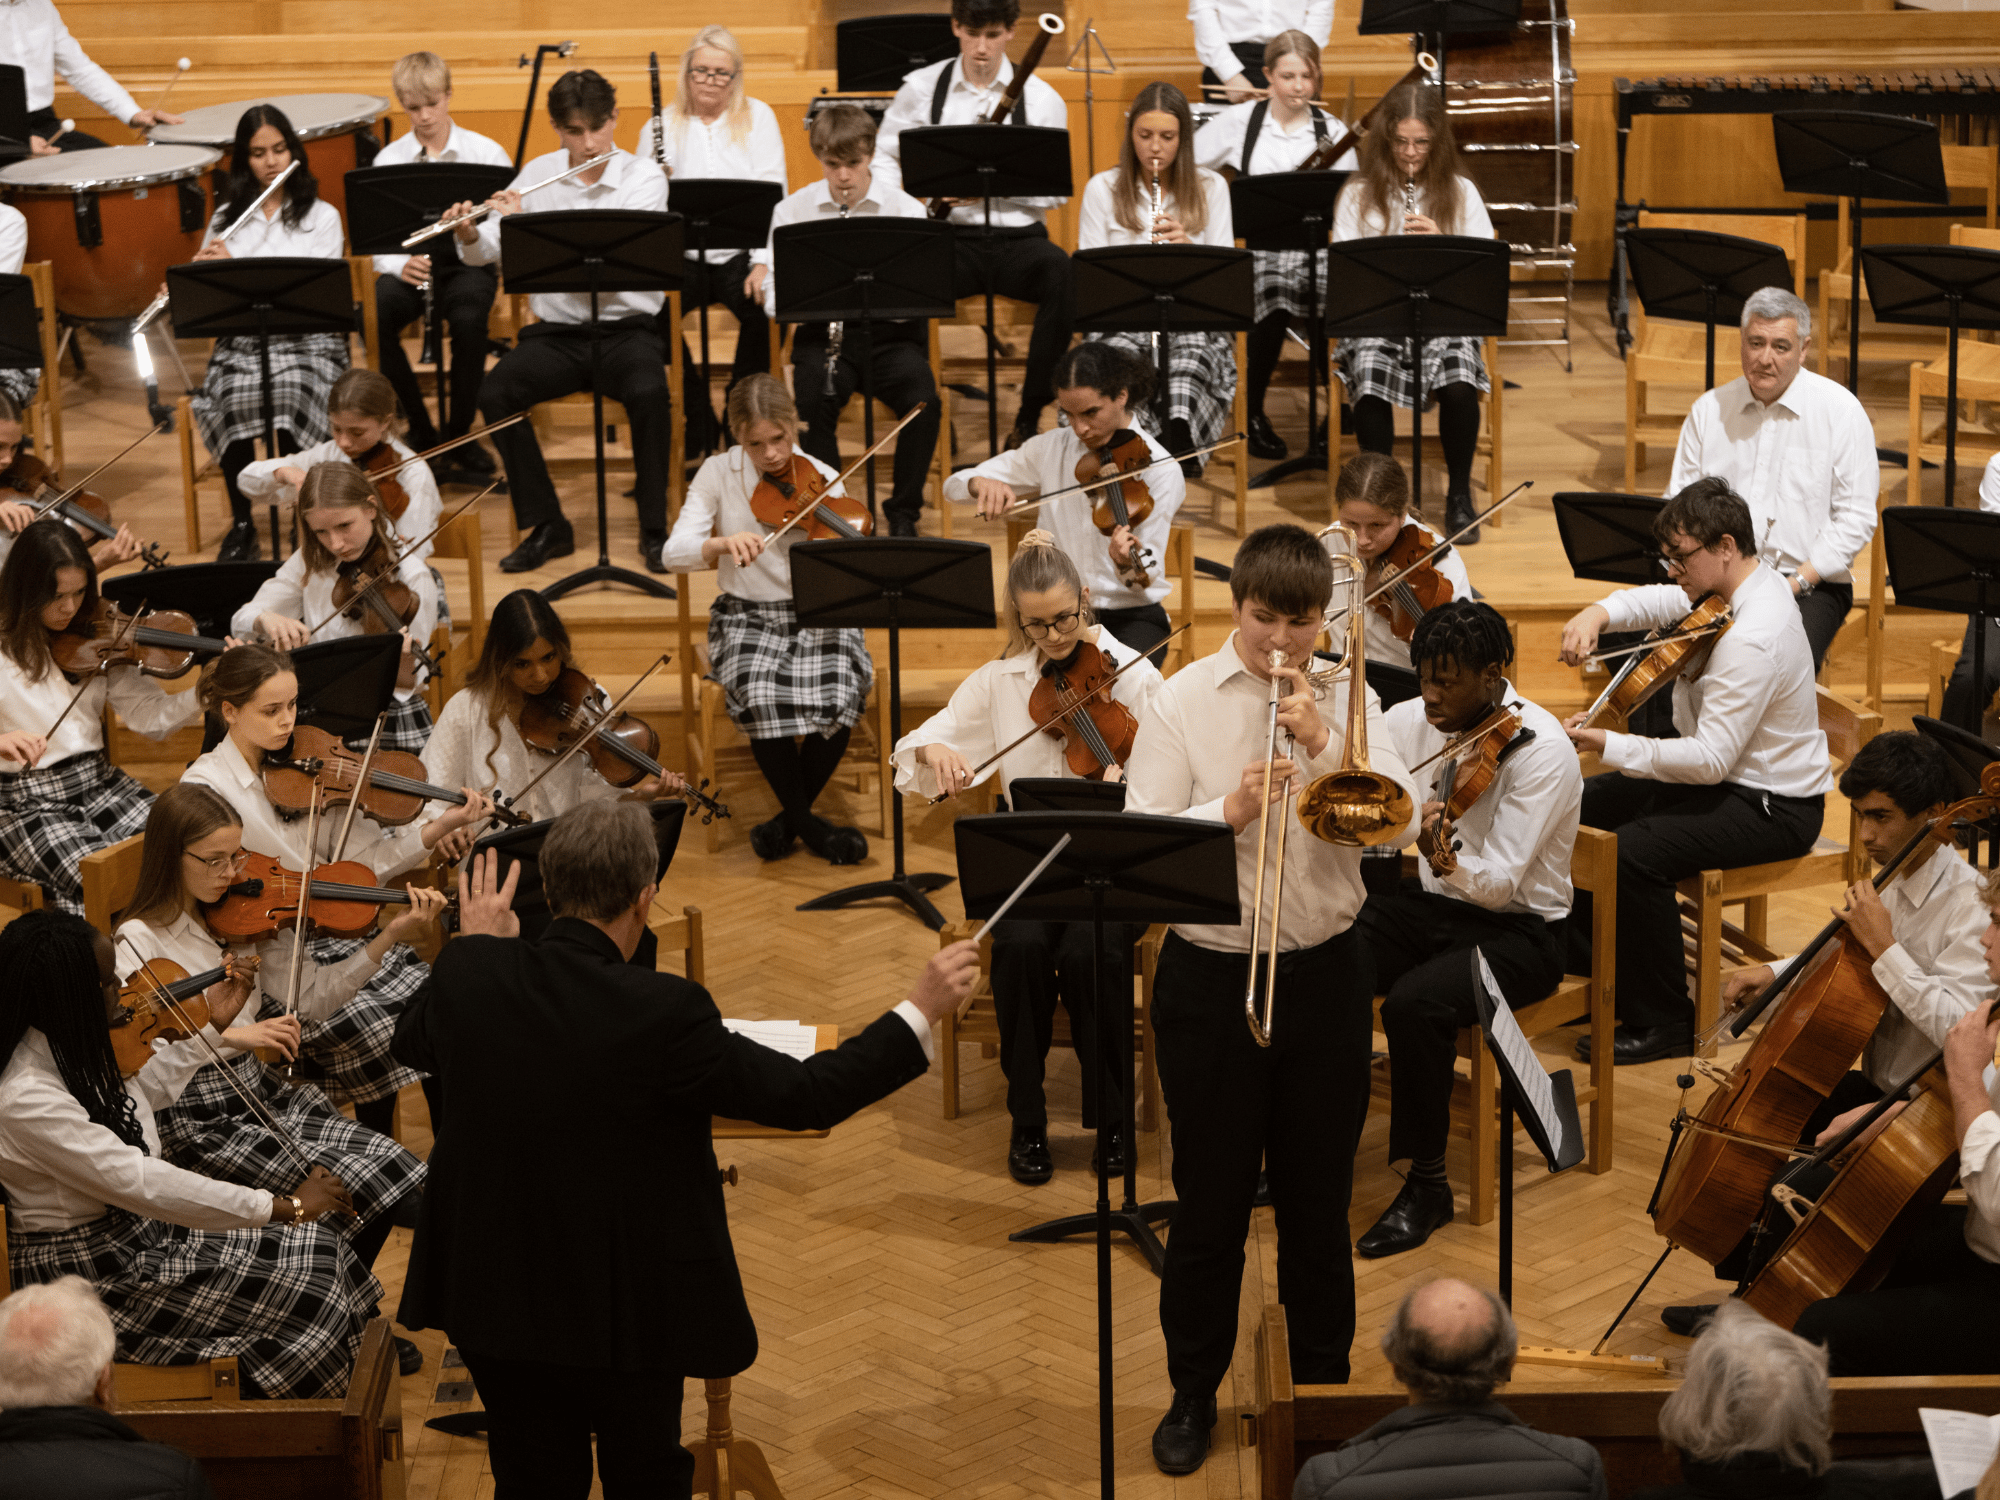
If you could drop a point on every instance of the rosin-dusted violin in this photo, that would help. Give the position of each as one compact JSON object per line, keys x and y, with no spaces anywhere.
{"x":779,"y":499}
{"x":1125,"y":501}
{"x":1680,"y":652}
{"x":1071,"y":700}
{"x":622,"y":751}
{"x":368,"y":589}
{"x":1415,"y":587}
{"x":162,"y":1002}
{"x":318,"y":764}
{"x":343,"y":900}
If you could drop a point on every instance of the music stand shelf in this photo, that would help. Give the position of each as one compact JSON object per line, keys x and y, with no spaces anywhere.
{"x":1949,"y":560}
{"x":1954,"y":287}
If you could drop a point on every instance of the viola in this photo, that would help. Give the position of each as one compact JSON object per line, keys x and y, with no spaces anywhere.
{"x":159,"y":642}
{"x":1071,"y":700}
{"x":318,"y":764}
{"x":1125,"y":502}
{"x":779,"y":499}
{"x":622,"y":752}
{"x":86,"y":510}
{"x":1682,"y":652}
{"x":162,"y":1002}
{"x":1415,"y":586}
{"x":382,"y":463}
{"x":342,"y":900}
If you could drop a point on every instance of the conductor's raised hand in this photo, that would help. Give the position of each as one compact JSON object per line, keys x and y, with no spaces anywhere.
{"x":485,"y":902}
{"x":946,"y":980}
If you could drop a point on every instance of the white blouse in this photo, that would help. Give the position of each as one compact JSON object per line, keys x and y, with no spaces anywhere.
{"x":318,"y":235}
{"x":709,"y":148}
{"x":1378,"y":632}
{"x":1279,"y":148}
{"x":718,"y":504}
{"x":457,"y":755}
{"x":308,"y":598}
{"x":1349,"y":223}
{"x":145,"y":706}
{"x":323,"y":989}
{"x":1097,"y":221}
{"x":260,"y":482}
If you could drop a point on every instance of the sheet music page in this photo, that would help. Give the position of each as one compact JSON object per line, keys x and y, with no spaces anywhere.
{"x":1962,"y":1446}
{"x":793,"y":1038}
{"x":1532,"y":1078}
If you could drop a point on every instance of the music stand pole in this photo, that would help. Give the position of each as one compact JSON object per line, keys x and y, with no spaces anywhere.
{"x":992,"y":348}
{"x":266,"y":401}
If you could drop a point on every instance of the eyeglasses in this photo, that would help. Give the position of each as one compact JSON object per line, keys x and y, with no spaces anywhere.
{"x":710,"y":75}
{"x":1676,"y":562}
{"x":220,"y":861}
{"x":1062,"y":624}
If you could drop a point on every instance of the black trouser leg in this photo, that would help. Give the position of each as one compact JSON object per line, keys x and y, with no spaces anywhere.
{"x":1937,"y":1312}
{"x":722,"y":285}
{"x":371,"y":1237}
{"x":635,"y":375}
{"x":379,"y":1115}
{"x":433,"y":1086}
{"x":1823,"y":612}
{"x":233,"y":460}
{"x":1142,"y":628}
{"x":1263,"y":345}
{"x":1021,"y":264}
{"x":1374,"y":425}
{"x":899,"y":376}
{"x":465,"y":302}
{"x":397,"y":305}
{"x":538,"y":368}
{"x":1024,"y":1002}
{"x":1961,"y":698}
{"x":541,"y":1417}
{"x":1458,"y":433}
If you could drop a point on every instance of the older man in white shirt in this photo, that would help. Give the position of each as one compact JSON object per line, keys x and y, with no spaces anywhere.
{"x":1801,"y":450}
{"x":34,"y":39}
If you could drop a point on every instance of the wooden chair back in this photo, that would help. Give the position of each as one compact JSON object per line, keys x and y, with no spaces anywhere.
{"x":462,"y":538}
{"x":1979,"y":239}
{"x":1972,"y":167}
{"x":43,"y":418}
{"x":110,"y":879}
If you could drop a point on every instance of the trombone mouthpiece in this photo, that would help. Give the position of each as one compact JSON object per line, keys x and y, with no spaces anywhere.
{"x":1277,"y":660}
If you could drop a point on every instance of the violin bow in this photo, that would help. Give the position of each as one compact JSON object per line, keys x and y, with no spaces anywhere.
{"x":1110,"y":479}
{"x":47,"y":506}
{"x":360,"y":786}
{"x":1063,"y":713}
{"x":588,"y":734}
{"x":845,"y":474}
{"x":396,"y":561}
{"x":446,"y":447}
{"x":1598,"y":658}
{"x":1473,"y":525}
{"x":132,"y":623}
{"x":1470,"y":737}
{"x":303,"y":916}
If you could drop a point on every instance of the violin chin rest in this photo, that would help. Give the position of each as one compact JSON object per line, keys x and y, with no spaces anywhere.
{"x":246,"y":888}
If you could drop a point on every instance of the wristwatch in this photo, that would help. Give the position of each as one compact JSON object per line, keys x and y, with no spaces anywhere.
{"x":1803,"y":585}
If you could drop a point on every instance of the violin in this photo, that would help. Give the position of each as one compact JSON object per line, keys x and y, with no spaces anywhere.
{"x":86,"y":510}
{"x":165,"y":1005}
{"x":1472,"y":761}
{"x":1096,"y":729}
{"x":369,"y":588}
{"x":342,"y":900}
{"x":317,"y":764}
{"x":1682,"y":652}
{"x":1415,"y":586}
{"x":622,"y":752}
{"x":779,"y":498}
{"x":381,"y":463}
{"x":1125,"y":502}
{"x":159,"y":642}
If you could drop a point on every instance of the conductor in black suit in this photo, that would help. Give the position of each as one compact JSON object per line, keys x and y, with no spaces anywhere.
{"x":577,"y":1251}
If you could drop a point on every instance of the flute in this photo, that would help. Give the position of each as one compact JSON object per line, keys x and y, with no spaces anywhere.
{"x":159,"y":304}
{"x":446,"y":226}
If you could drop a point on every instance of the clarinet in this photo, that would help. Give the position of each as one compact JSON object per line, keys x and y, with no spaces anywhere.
{"x":1154,"y":238}
{"x":1409,"y":199}
{"x":834,"y":330}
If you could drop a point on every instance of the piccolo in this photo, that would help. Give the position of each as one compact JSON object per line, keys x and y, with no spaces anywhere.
{"x":446,"y":226}
{"x":159,"y":304}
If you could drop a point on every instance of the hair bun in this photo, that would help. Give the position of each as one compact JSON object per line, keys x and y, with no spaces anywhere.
{"x":1038,"y":538}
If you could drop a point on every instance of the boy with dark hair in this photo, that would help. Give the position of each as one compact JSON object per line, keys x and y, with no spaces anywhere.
{"x":1496,"y":879}
{"x":1295,"y":1105}
{"x":1017,"y":259}
{"x":1745,"y":783}
{"x":554,"y":356}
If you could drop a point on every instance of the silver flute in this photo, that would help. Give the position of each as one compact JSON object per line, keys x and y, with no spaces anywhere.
{"x":834,"y":330}
{"x":159,"y":304}
{"x":474,"y":215}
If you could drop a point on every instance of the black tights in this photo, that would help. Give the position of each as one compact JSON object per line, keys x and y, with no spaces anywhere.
{"x":798,"y":771}
{"x":1265,"y":343}
{"x":1458,"y":429}
{"x":238,"y":456}
{"x":378,"y":1115}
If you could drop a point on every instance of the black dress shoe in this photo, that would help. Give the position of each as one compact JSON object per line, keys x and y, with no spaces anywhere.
{"x":1114,"y":1165}
{"x":409,"y":1358}
{"x":550,"y":539}
{"x":1180,"y":1442}
{"x":1688,"y":1320}
{"x":772,"y":840}
{"x":652,"y":551}
{"x":902,"y":525}
{"x":1638,"y":1044}
{"x":240,"y":545}
{"x":1028,"y":1159}
{"x":1420,"y":1210}
{"x":1264,"y":439}
{"x":838,"y":846}
{"x":1459,"y":512}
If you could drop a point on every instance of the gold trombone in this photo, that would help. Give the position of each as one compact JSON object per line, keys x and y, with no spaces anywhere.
{"x":1258,"y":1016}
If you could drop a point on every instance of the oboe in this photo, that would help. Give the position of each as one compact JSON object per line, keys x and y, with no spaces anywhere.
{"x":833,"y":329}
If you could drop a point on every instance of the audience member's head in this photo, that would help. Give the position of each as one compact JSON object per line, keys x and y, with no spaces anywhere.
{"x":1451,"y":1343}
{"x":1751,"y":1387}
{"x":56,"y":1346}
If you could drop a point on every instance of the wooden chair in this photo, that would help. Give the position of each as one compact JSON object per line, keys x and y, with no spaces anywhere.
{"x":1491,"y":431}
{"x":1007,"y":314}
{"x":680,"y":932}
{"x":110,"y":879}
{"x":361,"y":275}
{"x":42,"y":421}
{"x":980,"y":1024}
{"x":1847,"y":726}
{"x":18,"y":897}
{"x":461,"y":540}
{"x":1978,"y":380}
{"x":1178,"y":565}
{"x":1675,"y":352}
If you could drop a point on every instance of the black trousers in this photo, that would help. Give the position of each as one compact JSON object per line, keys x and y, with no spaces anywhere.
{"x":1668,"y":831}
{"x":554,"y":359}
{"x":1035,"y":964}
{"x":1937,"y":1312}
{"x":464,"y":296}
{"x":898,"y":373}
{"x":541,"y":1417}
{"x":1823,"y":612}
{"x":1251,"y":56}
{"x":710,"y":285}
{"x":1142,"y":627}
{"x":1020,"y":263}
{"x":1961,"y":698}
{"x":1295,"y":1109}
{"x":1421,"y":944}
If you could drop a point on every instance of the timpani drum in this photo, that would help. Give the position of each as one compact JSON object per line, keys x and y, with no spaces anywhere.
{"x":331,"y":125}
{"x":110,"y":222}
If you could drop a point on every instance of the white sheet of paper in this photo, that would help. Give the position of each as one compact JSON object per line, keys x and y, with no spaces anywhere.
{"x":1962,"y":1446}
{"x":793,"y":1038}
{"x":1537,"y":1094}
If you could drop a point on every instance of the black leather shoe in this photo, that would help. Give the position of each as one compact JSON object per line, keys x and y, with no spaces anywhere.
{"x":1264,"y":439}
{"x":1458,"y":512}
{"x":772,"y":840}
{"x":1028,"y":1159}
{"x":1638,"y":1044}
{"x":1420,"y":1210}
{"x":652,"y":545}
{"x":902,"y":525}
{"x":1114,"y":1165}
{"x":1180,"y":1442}
{"x":1688,"y":1320}
{"x":550,"y":539}
{"x":409,"y":1358}
{"x":845,"y":846}
{"x":240,"y":545}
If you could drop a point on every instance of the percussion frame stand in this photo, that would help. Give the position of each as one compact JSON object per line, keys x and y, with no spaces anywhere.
{"x":1087,"y":43}
{"x":546,"y":49}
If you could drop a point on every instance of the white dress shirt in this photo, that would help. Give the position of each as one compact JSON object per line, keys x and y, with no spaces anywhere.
{"x":318,"y":235}
{"x":464,"y":750}
{"x":308,"y":598}
{"x":627,"y":182}
{"x":461,"y":145}
{"x":1378,"y":631}
{"x":966,"y":105}
{"x":259,"y":481}
{"x":1752,"y":716}
{"x":1046,"y":463}
{"x":1805,"y":463}
{"x":1207,"y":722}
{"x":990,"y":708}
{"x":1979,"y":1175}
{"x":814,"y":202}
{"x":323,"y":989}
{"x":386,"y":851}
{"x":1279,"y":148}
{"x":34,"y":39}
{"x":61,"y":1169}
{"x":1350,"y":223}
{"x":718,"y":504}
{"x":1097,"y":220}
{"x":1217,"y":23}
{"x":710,"y":148}
{"x":142,"y":703}
{"x":13,"y":240}
{"x":1515,"y":841}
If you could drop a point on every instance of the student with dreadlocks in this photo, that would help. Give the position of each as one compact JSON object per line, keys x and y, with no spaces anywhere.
{"x":1497,"y":879}
{"x":190,"y":1268}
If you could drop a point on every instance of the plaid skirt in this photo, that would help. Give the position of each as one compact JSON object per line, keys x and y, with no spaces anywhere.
{"x":288,"y":1300}
{"x":1278,"y":284}
{"x":1381,"y":367}
{"x":50,"y":817}
{"x":347,"y":1054}
{"x":1201,"y":379}
{"x":779,"y":680}
{"x":229,"y":406}
{"x":209,"y":1130}
{"x":407,"y":727}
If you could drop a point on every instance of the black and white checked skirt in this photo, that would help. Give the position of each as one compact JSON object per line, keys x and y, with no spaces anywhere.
{"x":288,"y":1300}
{"x":779,"y":680}
{"x":1278,"y":284}
{"x":347,"y":1054}
{"x":50,"y":817}
{"x":1201,"y":379}
{"x":229,"y":407}
{"x":407,"y":726}
{"x":1381,"y":368}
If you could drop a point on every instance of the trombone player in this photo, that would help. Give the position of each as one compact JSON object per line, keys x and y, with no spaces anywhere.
{"x":1263,"y":1027}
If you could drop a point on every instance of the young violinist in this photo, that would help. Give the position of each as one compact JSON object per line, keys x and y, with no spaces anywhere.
{"x":828,"y":369}
{"x":1097,"y":386}
{"x":89,"y":1193}
{"x":1372,"y":495}
{"x":462,"y":294}
{"x":22,"y":473}
{"x":1410,"y":182}
{"x":346,"y":532}
{"x":796,"y":693}
{"x":1118,"y":209}
{"x":1744,"y":784}
{"x":1494,"y":876}
{"x":1296,"y":1106}
{"x":60,"y":796}
{"x":229,"y":405}
{"x":1050,"y":631}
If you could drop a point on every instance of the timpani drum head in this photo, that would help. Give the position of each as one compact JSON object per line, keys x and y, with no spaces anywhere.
{"x":312,"y":116}
{"x":108,"y":170}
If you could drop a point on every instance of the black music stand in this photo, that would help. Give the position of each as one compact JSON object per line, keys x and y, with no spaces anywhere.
{"x":14,"y":130}
{"x":722,"y":213}
{"x":210,"y":593}
{"x":345,"y":685}
{"x":1161,"y":290}
{"x":523,"y":846}
{"x":1416,"y":287}
{"x":873,"y":54}
{"x":386,"y":205}
{"x":1432,"y":21}
{"x":978,"y":161}
{"x":897,"y":584}
{"x":1118,"y":867}
{"x":1693,"y":276}
{"x":1294,"y":211}
{"x":259,"y":297}
{"x":1853,"y":155}
{"x":1937,"y":286}
{"x":862,"y":271}
{"x":595,"y":251}
{"x":20,"y":325}
{"x":1609,"y":538}
{"x":1970,"y":755}
{"x":1948,"y":560}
